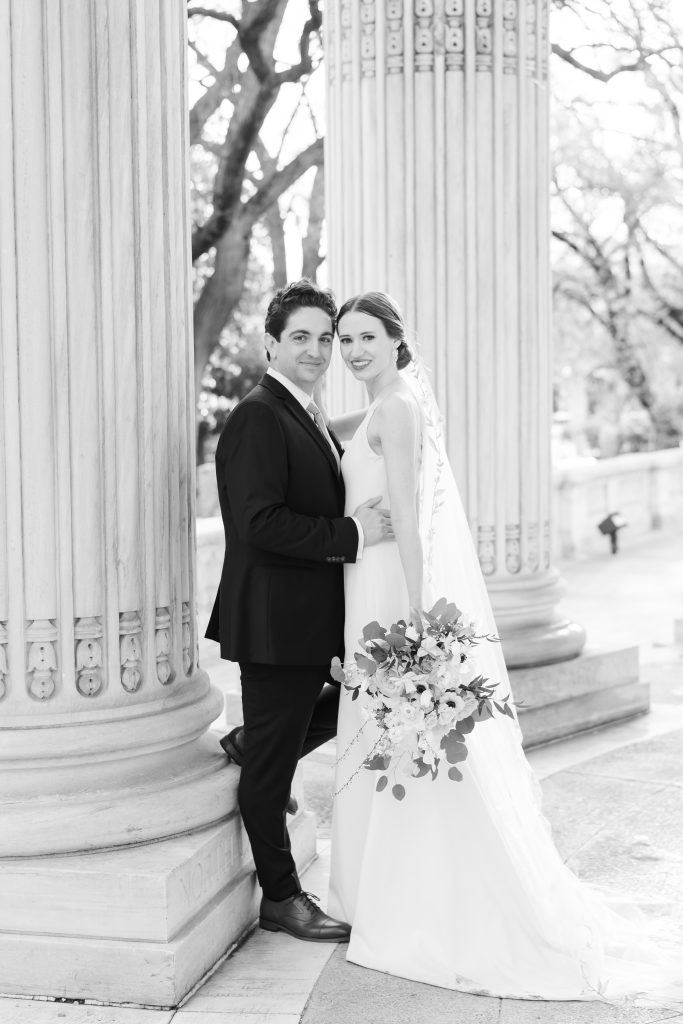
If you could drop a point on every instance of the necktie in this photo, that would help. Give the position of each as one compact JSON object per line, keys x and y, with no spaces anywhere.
{"x":317,"y":418}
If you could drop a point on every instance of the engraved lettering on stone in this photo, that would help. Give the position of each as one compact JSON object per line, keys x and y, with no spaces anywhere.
{"x":486,"y":549}
{"x":41,"y":658}
{"x":187,"y":640}
{"x":211,"y":871}
{"x":424,"y":35}
{"x":165,"y":673}
{"x":346,"y":38}
{"x":394,"y":36}
{"x":509,"y":37}
{"x":4,"y":672}
{"x":454,"y":42}
{"x":88,"y":656}
{"x":484,"y":35}
{"x":513,"y":557}
{"x":130,"y":651}
{"x":367,"y":38}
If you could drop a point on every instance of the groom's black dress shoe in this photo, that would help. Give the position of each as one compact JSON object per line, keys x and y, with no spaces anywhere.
{"x":232,"y":745}
{"x":299,"y":916}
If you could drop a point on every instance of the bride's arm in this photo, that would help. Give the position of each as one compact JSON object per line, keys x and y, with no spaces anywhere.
{"x":344,"y":426}
{"x":395,"y":426}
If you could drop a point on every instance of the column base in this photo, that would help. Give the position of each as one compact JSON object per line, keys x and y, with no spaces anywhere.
{"x":560,"y":700}
{"x":530,"y":628}
{"x":140,"y":925}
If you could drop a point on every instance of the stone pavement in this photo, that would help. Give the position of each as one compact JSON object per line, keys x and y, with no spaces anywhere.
{"x":614,"y":798}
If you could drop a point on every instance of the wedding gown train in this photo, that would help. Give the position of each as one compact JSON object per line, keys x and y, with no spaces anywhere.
{"x":460,"y":884}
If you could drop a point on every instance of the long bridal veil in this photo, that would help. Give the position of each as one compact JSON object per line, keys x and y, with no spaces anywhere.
{"x":585,"y":942}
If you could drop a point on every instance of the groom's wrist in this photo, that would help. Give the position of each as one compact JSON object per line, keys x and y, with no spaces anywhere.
{"x":361,"y":538}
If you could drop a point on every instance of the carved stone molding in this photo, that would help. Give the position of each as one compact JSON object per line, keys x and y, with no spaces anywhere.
{"x":454,"y":41}
{"x":531,"y":26}
{"x":188,"y":660}
{"x":4,"y":673}
{"x":88,"y":656}
{"x":533,"y":555}
{"x":513,"y":548}
{"x":367,"y":39}
{"x":329,"y":39}
{"x":424,"y":35}
{"x":346,"y":38}
{"x":546,"y":544}
{"x":41,"y":658}
{"x":130,"y":646}
{"x":484,"y":35}
{"x":544,"y":41}
{"x":394,"y":37}
{"x":510,"y":45}
{"x":486,"y":549}
{"x":162,"y":640}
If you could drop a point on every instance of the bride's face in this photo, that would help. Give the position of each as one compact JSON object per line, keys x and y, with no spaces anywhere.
{"x":366,"y":348}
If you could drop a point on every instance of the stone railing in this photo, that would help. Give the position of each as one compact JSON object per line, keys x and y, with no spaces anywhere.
{"x":645,"y":487}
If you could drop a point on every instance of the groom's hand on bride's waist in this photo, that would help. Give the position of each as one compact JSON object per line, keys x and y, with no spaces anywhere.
{"x":376,"y":522}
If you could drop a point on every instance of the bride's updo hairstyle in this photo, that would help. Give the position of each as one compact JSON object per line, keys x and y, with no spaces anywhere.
{"x":382,"y":307}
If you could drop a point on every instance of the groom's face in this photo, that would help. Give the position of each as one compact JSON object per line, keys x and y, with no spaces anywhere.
{"x":304,"y":350}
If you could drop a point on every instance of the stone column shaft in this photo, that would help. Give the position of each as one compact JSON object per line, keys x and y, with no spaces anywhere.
{"x":438,"y":176}
{"x":98,"y":645}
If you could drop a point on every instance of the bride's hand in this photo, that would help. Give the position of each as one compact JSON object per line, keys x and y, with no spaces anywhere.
{"x":417,"y":618}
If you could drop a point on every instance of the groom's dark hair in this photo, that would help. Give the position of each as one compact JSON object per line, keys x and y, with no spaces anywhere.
{"x":292,"y":297}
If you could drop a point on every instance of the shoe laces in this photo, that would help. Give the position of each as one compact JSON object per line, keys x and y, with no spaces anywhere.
{"x":308,"y":897}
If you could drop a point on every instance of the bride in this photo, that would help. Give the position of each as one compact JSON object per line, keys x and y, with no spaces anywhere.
{"x":459,"y":884}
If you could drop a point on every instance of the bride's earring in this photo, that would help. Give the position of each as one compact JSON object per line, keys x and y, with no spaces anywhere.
{"x":396,"y":354}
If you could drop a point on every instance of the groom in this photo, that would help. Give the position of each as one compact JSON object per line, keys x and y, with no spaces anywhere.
{"x":279,"y":610}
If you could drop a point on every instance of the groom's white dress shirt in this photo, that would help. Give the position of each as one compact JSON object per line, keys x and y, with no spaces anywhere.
{"x":304,"y":401}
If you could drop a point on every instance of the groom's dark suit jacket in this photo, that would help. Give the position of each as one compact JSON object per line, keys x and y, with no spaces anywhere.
{"x":281,"y":595}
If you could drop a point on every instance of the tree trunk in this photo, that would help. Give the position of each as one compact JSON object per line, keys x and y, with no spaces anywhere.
{"x":220,"y":295}
{"x":276,"y":232}
{"x":316,"y":214}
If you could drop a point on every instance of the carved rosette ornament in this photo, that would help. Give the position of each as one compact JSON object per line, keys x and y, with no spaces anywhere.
{"x":454,"y":42}
{"x":510,"y":37}
{"x":187,"y":641}
{"x":513,"y":548}
{"x":88,"y":656}
{"x":486,"y":549}
{"x":346,"y":38}
{"x":367,"y":39}
{"x":162,"y":626}
{"x":4,"y":672}
{"x":394,"y":37}
{"x":41,"y":658}
{"x":424,"y":35}
{"x":484,"y":35}
{"x":130,"y":647}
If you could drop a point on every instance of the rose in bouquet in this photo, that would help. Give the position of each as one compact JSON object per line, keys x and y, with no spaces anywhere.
{"x":424,"y":692}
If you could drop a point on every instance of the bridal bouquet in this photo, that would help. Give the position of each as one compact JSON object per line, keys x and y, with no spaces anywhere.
{"x":423,"y":691}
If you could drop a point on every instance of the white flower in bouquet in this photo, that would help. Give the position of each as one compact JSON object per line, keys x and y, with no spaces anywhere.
{"x":412,"y":715}
{"x":426,"y":699}
{"x":428,"y":647}
{"x":469,"y":705}
{"x":447,"y":715}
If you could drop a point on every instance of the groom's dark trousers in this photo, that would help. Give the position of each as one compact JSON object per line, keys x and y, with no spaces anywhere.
{"x":279,"y":610}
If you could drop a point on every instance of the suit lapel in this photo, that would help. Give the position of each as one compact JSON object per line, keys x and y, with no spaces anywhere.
{"x":299,"y":413}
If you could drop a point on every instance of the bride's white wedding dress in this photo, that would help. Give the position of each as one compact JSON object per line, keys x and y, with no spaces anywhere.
{"x":460,"y":884}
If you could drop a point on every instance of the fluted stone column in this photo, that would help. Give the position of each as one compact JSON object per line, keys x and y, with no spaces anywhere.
{"x":438,"y":183}
{"x":103,"y":706}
